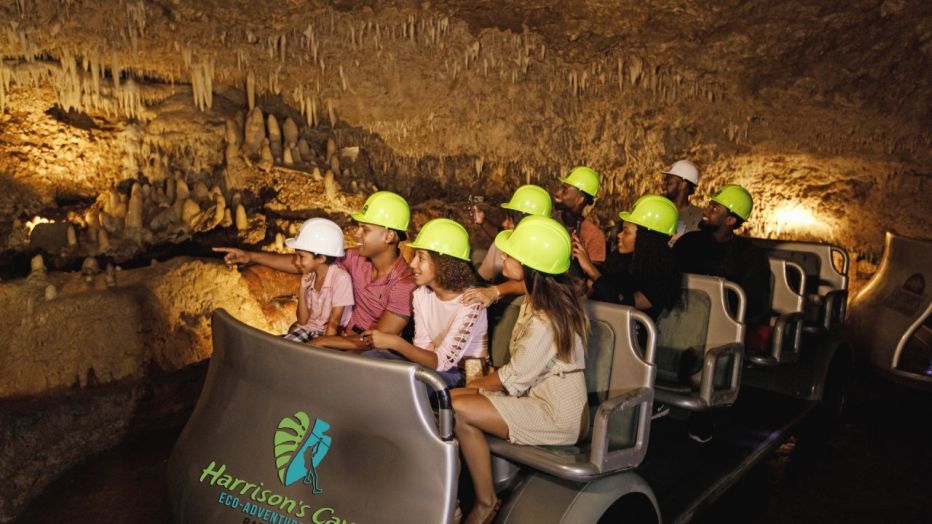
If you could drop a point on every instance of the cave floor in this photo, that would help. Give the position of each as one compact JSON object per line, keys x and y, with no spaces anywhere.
{"x":874,"y":469}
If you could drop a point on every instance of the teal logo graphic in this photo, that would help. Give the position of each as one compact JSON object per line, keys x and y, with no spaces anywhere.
{"x":299,"y":451}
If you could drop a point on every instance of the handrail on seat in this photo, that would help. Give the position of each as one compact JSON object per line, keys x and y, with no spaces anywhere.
{"x":722,"y":349}
{"x":827,"y":302}
{"x":787,"y":303}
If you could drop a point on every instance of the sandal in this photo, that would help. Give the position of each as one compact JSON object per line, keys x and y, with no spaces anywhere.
{"x":490,"y":516}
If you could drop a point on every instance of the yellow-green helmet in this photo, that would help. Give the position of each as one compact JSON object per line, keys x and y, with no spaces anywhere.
{"x":735,"y":199}
{"x":444,"y":236}
{"x":530,"y":200}
{"x":584,"y":179}
{"x":386,"y":209}
{"x":539,"y":243}
{"x":653,"y":212}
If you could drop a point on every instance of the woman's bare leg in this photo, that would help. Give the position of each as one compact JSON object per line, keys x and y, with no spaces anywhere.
{"x":476,"y":416}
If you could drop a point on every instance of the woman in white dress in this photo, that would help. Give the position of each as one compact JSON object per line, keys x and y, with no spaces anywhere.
{"x":539,"y":397}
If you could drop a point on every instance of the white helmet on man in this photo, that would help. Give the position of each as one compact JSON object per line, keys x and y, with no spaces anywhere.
{"x":685,"y":170}
{"x":319,"y":236}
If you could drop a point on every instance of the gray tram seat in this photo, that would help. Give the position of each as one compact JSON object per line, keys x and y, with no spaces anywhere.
{"x":263,"y":400}
{"x":700,"y":349}
{"x":619,"y":377}
{"x":826,"y":288}
{"x":787,"y":289}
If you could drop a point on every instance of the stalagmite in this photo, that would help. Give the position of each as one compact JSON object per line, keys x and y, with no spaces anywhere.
{"x":279,"y":242}
{"x":221,"y":207}
{"x":189,"y":211}
{"x":200,"y":191}
{"x":316,"y":173}
{"x":295,"y":154}
{"x":275,"y":137}
{"x":290,"y":131}
{"x":305,"y":150}
{"x":330,"y":188}
{"x":251,"y":89}
{"x":181,"y":189}
{"x":134,"y":213}
{"x":254,"y":133}
{"x":71,"y":235}
{"x":331,"y":147}
{"x":227,"y":218}
{"x":37,"y":266}
{"x":265,"y":156}
{"x":169,"y":190}
{"x":90,"y":266}
{"x":242,"y":223}
{"x":110,"y":275}
{"x":335,"y":164}
{"x":51,"y":292}
{"x":103,"y":241}
{"x":287,"y":158}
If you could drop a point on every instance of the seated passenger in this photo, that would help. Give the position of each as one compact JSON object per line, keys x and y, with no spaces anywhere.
{"x":446,"y":331}
{"x":577,"y":191}
{"x":679,"y":183}
{"x":642,"y":272}
{"x":539,"y":397}
{"x":382,"y":281}
{"x":526,"y":200}
{"x":716,"y":250}
{"x":326,"y":289}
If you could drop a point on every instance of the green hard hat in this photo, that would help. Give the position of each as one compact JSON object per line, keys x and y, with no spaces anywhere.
{"x":653,"y":212}
{"x":530,"y":200}
{"x":386,"y":209}
{"x":736,"y":199}
{"x":584,"y":179}
{"x":444,"y":236}
{"x":539,"y":243}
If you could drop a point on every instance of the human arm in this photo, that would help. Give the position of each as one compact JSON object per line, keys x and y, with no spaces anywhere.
{"x":488,"y":270}
{"x":581,"y":255}
{"x":532,"y":356}
{"x":234,"y":256}
{"x":487,"y":295}
{"x":389,"y":323}
{"x":333,"y":323}
{"x":304,"y":312}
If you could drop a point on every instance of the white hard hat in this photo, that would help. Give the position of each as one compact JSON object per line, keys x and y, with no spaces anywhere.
{"x":319,"y":236}
{"x":685,"y":170}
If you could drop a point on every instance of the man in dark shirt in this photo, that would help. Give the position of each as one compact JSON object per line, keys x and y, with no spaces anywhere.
{"x":716,"y":250}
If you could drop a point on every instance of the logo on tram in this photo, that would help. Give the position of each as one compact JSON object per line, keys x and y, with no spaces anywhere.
{"x":300,"y":447}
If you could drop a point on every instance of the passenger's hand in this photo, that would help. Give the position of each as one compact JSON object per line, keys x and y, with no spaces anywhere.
{"x":481,"y":295}
{"x":378,"y":339}
{"x":306,"y":282}
{"x":478,"y":215}
{"x":582,"y":256}
{"x":233,"y":255}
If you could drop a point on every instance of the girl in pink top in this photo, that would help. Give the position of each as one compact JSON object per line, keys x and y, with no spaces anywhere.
{"x":446,"y":331}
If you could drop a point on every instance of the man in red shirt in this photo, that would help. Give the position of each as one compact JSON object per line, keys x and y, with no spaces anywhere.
{"x":382,"y":281}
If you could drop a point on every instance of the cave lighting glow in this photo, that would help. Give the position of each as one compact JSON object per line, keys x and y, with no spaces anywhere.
{"x":36,"y":220}
{"x":795,"y":216}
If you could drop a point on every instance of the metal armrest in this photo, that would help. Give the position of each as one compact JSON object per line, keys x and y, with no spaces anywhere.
{"x":778,"y":342}
{"x":707,"y":391}
{"x":444,"y":404}
{"x":599,"y":455}
{"x":836,"y":304}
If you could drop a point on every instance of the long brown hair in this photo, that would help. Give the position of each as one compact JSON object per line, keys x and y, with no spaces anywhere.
{"x":557,"y":297}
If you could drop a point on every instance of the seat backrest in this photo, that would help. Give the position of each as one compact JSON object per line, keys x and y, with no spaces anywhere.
{"x":703,"y":317}
{"x":285,"y":417}
{"x":785,"y":297}
{"x":615,"y":359}
{"x":816,"y":259}
{"x":502,"y":318}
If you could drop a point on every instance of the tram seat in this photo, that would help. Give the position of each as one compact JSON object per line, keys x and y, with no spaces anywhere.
{"x":700,"y":349}
{"x":826,"y":290}
{"x":619,"y":377}
{"x":779,"y":342}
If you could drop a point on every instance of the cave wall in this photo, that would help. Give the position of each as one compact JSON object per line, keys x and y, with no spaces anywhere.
{"x":822,"y":111}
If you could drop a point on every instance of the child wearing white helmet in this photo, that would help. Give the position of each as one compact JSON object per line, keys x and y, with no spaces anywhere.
{"x":325,"y":298}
